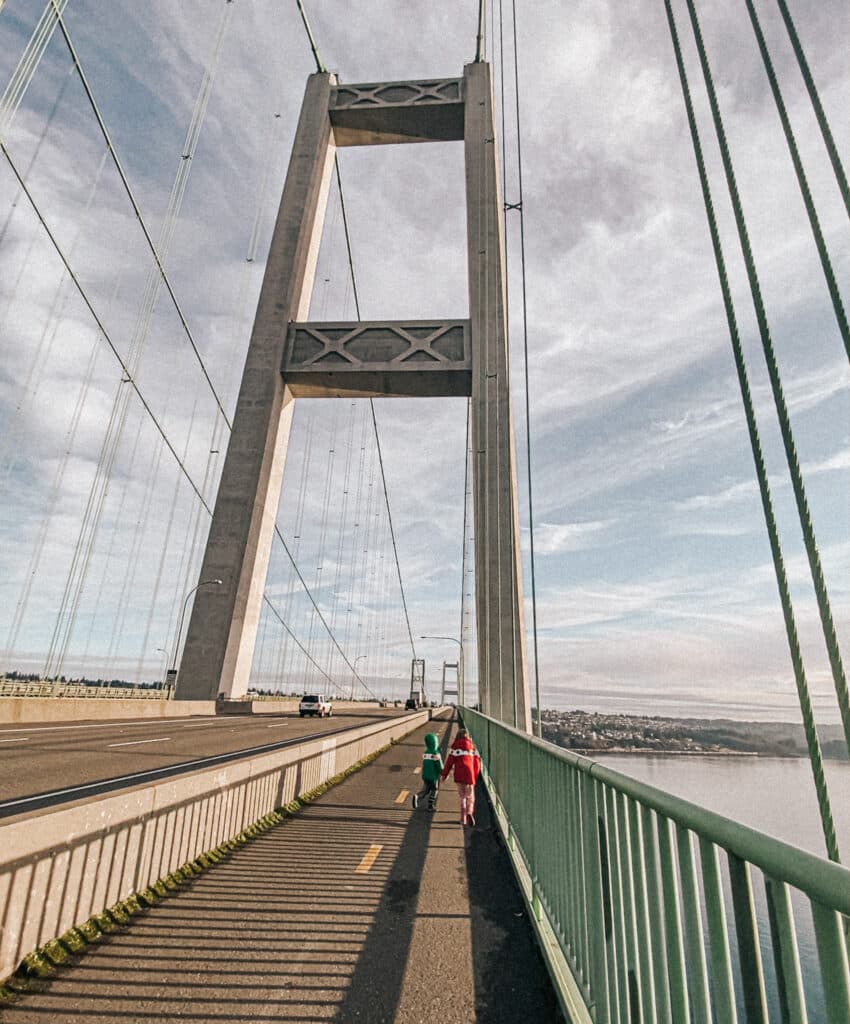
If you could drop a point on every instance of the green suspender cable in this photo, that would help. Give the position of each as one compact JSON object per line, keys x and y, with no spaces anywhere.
{"x":761,"y":472}
{"x":829,"y":142}
{"x":805,"y":191}
{"x":824,"y":609}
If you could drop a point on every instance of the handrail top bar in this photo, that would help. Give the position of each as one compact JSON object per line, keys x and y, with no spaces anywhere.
{"x":820,"y":879}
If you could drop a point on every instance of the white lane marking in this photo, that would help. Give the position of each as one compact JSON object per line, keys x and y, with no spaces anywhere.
{"x":18,"y":739}
{"x":106,"y":724}
{"x":134,"y":743}
{"x":165,"y":770}
{"x":279,"y":725}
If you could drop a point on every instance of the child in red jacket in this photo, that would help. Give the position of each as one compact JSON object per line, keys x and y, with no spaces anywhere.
{"x":465,"y":760}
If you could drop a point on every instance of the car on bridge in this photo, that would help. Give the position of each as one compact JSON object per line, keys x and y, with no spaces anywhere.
{"x":315,"y":704}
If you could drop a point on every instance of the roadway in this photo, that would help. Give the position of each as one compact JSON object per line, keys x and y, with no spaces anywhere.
{"x":357,"y":909}
{"x":47,"y":764}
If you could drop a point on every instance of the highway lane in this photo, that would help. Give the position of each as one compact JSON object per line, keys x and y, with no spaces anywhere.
{"x":49,"y":758}
{"x":360,"y":909}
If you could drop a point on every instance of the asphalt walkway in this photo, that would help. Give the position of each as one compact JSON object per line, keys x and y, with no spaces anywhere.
{"x":359,"y":909}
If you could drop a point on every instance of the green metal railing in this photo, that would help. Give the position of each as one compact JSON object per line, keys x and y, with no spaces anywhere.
{"x":655,"y":903}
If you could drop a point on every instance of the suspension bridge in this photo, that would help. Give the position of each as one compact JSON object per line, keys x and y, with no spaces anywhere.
{"x":196,"y":215}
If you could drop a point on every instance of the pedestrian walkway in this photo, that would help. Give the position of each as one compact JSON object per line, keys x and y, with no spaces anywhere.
{"x":358,"y":909}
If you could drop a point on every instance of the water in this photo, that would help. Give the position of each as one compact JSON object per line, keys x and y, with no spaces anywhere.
{"x":774,"y":795}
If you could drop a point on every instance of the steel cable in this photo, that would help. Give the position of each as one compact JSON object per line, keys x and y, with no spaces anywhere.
{"x":829,"y":142}
{"x":805,"y":191}
{"x":804,"y":514}
{"x":158,"y":262}
{"x":812,"y":741}
{"x":372,"y":408}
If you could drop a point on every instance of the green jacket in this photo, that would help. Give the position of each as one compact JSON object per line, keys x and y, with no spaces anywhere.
{"x":432,"y":762}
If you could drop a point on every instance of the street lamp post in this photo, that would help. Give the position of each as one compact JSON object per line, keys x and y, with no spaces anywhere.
{"x":354,"y":673}
{"x":461,"y":695}
{"x":203,"y":583}
{"x":164,"y":681}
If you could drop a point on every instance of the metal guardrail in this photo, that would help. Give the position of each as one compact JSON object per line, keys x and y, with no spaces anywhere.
{"x":664,"y":911}
{"x":17,"y":688}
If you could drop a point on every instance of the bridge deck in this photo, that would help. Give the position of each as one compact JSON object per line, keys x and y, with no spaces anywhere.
{"x":288,"y":929}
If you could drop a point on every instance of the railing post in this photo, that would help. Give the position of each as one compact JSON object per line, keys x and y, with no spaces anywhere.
{"x":679,"y":1002}
{"x":642,"y":922}
{"x":697,"y":972}
{"x":718,"y":938}
{"x":656,"y":918}
{"x":749,"y":951}
{"x":617,"y":945}
{"x":598,"y":958}
{"x":832,"y":953}
{"x":634,"y":981}
{"x":789,"y":980}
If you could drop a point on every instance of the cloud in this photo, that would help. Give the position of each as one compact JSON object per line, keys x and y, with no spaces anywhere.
{"x":643,"y":485}
{"x":555,"y":538}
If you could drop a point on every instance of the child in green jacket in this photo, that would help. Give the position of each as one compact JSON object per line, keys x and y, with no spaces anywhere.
{"x":432,"y":766}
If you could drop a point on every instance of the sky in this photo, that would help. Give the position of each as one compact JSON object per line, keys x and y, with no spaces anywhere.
{"x":655,"y":588}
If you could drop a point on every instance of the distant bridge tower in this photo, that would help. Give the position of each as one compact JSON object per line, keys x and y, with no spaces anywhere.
{"x":288,"y":358}
{"x":451,"y":683}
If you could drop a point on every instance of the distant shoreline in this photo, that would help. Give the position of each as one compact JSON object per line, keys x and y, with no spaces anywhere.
{"x":597,"y":735}
{"x":645,"y":751}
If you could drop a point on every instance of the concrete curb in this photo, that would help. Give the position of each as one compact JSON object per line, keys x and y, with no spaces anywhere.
{"x":78,"y":862}
{"x":44,"y":961}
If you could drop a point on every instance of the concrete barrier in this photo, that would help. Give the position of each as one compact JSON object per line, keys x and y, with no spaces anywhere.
{"x":60,"y":868}
{"x":72,"y":709}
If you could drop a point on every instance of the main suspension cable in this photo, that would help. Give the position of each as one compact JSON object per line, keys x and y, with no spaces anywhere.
{"x":479,"y":38}
{"x":137,"y":211}
{"x":128,"y":379}
{"x":320,"y":67}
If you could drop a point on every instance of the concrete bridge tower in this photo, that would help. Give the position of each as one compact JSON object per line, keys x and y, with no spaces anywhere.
{"x":290,"y":358}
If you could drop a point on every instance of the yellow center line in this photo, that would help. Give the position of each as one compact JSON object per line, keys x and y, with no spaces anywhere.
{"x":403,"y":795}
{"x":416,"y":771}
{"x":369,"y":859}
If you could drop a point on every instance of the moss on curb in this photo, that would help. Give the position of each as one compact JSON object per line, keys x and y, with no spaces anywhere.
{"x":61,"y":951}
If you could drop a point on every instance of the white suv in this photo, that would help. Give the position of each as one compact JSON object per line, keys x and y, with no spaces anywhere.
{"x":315,"y":704}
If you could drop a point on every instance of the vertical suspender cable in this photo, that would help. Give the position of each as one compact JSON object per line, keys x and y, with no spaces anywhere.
{"x":829,"y":142}
{"x":812,"y":740}
{"x":820,"y":242}
{"x":518,"y":206}
{"x":527,"y":386}
{"x":501,"y":213}
{"x":372,"y":408}
{"x":824,"y":609}
{"x":464,"y":557}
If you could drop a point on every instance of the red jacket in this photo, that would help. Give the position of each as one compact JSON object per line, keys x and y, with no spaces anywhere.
{"x":464,"y":759}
